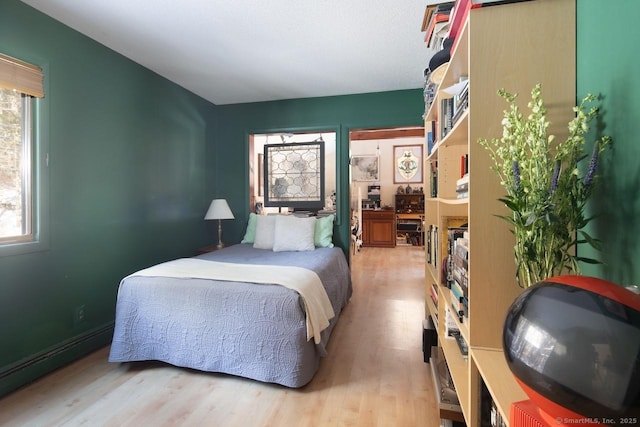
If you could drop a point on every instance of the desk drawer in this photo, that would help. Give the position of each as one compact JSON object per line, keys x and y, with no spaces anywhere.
{"x":378,"y":214}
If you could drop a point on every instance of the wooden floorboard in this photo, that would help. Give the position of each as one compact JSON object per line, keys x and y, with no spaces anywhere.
{"x":374,"y":374}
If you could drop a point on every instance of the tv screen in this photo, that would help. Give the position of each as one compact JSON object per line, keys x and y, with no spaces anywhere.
{"x":577,"y":346}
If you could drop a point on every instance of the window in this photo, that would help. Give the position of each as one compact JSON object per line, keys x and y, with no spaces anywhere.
{"x":294,"y":175}
{"x":16,"y":167}
{"x":20,"y":84}
{"x":299,"y":195}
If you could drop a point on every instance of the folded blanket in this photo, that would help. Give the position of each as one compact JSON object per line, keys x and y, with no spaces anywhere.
{"x":304,"y":281}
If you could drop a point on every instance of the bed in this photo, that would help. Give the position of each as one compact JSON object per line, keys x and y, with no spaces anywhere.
{"x":232,"y":325}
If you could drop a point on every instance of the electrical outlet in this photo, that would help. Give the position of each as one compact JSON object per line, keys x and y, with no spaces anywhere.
{"x":78,"y":315}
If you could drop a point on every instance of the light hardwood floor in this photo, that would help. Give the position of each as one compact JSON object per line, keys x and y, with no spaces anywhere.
{"x":374,"y":374}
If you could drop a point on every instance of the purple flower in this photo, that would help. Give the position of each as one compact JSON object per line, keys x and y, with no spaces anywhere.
{"x":593,"y":164}
{"x":516,"y":175}
{"x":554,"y":179}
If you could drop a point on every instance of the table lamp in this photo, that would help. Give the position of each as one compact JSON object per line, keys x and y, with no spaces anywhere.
{"x":219,"y":209}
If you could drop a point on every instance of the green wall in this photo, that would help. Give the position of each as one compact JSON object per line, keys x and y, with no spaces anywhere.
{"x":338,"y":113}
{"x":134,"y":162}
{"x":606,"y":67}
{"x":126,"y":186}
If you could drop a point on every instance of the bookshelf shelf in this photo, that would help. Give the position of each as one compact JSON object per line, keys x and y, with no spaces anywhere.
{"x":491,"y":364}
{"x":498,"y":47}
{"x":459,"y":369}
{"x":457,"y":136}
{"x":464,"y":201}
{"x":431,"y":307}
{"x":445,"y":295}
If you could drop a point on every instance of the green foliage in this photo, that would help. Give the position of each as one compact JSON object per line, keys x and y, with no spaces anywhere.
{"x":544,"y":190}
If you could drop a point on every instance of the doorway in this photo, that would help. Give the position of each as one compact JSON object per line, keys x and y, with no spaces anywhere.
{"x":374,"y":184}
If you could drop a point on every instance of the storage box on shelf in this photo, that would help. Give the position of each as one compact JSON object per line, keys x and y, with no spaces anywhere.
{"x":511,"y":46}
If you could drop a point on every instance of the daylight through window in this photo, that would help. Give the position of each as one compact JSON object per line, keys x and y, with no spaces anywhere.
{"x":15,"y":167}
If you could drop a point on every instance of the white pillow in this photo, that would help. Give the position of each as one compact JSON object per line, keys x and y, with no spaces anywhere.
{"x":265,"y":231}
{"x":294,"y":233}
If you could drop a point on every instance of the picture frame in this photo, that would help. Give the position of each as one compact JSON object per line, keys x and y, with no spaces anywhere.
{"x":365,"y":168}
{"x":294,"y":175}
{"x":407,"y":164}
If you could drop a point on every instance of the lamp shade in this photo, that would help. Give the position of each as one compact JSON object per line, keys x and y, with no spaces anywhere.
{"x":219,"y":209}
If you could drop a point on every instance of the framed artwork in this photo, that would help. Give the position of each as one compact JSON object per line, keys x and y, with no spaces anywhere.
{"x":407,"y":164}
{"x":294,"y":175}
{"x":365,"y":168}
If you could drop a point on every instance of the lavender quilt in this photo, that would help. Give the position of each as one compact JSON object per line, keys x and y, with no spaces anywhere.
{"x":256,"y":331}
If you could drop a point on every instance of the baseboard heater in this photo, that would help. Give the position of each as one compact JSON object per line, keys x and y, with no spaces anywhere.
{"x":58,"y":350}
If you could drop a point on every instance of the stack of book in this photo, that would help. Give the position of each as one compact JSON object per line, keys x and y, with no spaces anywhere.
{"x":446,"y":108}
{"x":460,"y":275}
{"x":433,"y":176}
{"x":454,"y":107}
{"x":432,"y":246}
{"x":453,"y":332}
{"x":434,"y":296}
{"x":462,"y":187}
{"x":453,"y":233}
{"x":450,"y":326}
{"x":435,"y":24}
{"x":461,"y":98}
{"x":430,"y":89}
{"x":489,"y":413}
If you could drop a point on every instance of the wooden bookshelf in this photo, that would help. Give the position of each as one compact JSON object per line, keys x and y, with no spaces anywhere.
{"x":512,"y":46}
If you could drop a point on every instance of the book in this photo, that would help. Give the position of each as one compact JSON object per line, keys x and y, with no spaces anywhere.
{"x":458,"y":290}
{"x":453,"y":233}
{"x":436,"y":18}
{"x":462,"y":184}
{"x":455,"y":303}
{"x":433,"y":174}
{"x":462,"y":344}
{"x":464,"y":305}
{"x":434,"y":294}
{"x":432,"y":23}
{"x":457,"y":16}
{"x":460,"y":262}
{"x":446,"y":108}
{"x":429,"y":245}
{"x":450,"y":325}
{"x":429,"y":11}
{"x":429,"y":137}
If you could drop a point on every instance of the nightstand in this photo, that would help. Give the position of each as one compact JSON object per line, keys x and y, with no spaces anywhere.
{"x":207,"y":249}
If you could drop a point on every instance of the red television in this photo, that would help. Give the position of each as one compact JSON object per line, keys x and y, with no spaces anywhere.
{"x":573,"y":345}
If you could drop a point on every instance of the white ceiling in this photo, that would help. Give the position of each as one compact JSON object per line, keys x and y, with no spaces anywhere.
{"x":236,"y":51}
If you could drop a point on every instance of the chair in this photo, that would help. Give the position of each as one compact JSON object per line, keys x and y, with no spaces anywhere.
{"x":356,"y":234}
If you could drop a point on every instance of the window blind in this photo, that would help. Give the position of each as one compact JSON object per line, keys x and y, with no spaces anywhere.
{"x":21,"y":76}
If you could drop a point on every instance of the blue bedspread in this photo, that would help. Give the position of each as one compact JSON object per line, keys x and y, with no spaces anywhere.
{"x":245,"y":329}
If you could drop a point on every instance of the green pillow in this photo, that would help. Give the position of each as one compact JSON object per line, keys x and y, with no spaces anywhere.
{"x":323,"y":235}
{"x":250,"y":234}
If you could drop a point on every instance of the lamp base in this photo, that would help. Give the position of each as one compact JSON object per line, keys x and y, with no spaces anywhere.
{"x":220,"y":245}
